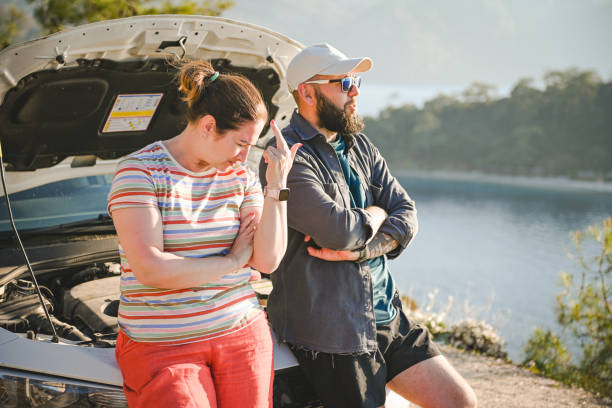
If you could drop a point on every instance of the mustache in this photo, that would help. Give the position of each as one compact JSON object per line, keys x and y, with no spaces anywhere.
{"x":350,"y":102}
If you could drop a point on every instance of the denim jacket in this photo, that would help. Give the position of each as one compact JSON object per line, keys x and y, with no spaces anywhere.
{"x":320,"y":305}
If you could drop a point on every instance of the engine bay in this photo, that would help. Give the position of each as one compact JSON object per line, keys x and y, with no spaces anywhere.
{"x":82,"y":302}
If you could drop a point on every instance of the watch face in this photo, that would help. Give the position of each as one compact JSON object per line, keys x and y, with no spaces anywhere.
{"x":283,"y":194}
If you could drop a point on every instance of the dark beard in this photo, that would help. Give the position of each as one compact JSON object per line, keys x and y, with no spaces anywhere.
{"x":336,"y":120}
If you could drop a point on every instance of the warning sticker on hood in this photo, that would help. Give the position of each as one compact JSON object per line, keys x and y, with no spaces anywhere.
{"x":132,"y":112}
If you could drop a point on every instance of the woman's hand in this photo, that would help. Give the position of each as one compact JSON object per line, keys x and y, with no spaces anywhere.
{"x":279,"y":159}
{"x":270,"y":240}
{"x":242,"y":249}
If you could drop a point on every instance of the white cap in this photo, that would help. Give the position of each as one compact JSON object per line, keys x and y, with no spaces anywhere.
{"x":322,"y":59}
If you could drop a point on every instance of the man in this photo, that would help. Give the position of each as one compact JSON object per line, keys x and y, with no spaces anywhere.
{"x":334,"y":301}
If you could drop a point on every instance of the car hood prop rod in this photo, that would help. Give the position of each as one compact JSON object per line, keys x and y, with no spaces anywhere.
{"x":55,"y":338}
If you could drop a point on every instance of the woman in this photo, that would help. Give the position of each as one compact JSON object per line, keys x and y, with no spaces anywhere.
{"x":189,"y":216}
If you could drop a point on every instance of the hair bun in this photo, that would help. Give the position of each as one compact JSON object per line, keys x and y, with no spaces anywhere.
{"x":193,"y":78}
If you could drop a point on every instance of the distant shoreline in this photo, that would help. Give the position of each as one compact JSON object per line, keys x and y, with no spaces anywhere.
{"x":551,"y":183}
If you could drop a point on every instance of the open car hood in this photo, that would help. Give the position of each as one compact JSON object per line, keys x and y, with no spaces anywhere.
{"x":91,"y":94}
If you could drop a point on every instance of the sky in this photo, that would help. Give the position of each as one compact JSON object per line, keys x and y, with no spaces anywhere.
{"x":425,"y":47}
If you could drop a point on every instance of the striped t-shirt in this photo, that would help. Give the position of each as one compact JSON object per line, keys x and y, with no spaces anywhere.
{"x":201,"y":217}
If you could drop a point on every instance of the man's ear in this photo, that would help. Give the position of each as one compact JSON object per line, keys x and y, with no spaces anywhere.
{"x":307,"y":94}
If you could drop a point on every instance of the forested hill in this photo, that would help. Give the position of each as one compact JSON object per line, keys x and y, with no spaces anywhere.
{"x":564,"y":129}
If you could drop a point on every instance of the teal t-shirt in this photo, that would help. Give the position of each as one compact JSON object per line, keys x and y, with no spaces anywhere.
{"x":383,"y":286}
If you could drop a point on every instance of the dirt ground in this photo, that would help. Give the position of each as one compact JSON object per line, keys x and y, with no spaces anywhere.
{"x":498,"y":384}
{"x":501,"y":385}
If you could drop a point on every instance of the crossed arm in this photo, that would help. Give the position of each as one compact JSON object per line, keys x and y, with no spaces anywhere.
{"x":140,"y":233}
{"x":343,"y":234}
{"x":379,"y":245}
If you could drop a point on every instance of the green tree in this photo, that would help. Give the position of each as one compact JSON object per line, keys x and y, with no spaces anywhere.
{"x":54,"y":15}
{"x":583,"y":309}
{"x":563,"y":129}
{"x":9,"y":24}
{"x":479,"y":92}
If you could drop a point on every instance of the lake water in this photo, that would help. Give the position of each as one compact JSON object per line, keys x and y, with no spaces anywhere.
{"x":496,"y":248}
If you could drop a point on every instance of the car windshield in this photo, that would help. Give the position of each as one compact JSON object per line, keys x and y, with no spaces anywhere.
{"x":57,"y":203}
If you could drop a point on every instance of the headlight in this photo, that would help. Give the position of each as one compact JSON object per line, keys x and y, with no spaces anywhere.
{"x":19,"y":389}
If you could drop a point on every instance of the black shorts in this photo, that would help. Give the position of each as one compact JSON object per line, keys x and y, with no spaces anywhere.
{"x":359,"y":380}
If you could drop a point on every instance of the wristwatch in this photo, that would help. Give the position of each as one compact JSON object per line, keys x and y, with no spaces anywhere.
{"x":278,"y":195}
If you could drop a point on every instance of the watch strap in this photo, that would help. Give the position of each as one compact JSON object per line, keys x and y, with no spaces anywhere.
{"x":277,"y":194}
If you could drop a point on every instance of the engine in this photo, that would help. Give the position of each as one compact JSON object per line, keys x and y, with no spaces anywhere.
{"x":82,"y":303}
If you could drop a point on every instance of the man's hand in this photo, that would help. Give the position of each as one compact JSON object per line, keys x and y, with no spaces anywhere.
{"x":380,"y":245}
{"x":331,"y":255}
{"x":378,"y":217}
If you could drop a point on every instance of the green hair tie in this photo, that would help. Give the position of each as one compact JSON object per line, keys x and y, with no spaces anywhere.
{"x":213,"y":77}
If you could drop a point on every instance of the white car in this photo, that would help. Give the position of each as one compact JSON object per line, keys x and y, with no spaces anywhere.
{"x":72,"y":104}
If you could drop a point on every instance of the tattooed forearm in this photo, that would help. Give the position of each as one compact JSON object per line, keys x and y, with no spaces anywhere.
{"x":380,"y":245}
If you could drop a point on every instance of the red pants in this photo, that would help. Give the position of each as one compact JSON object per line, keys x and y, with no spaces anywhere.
{"x":232,"y":371}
